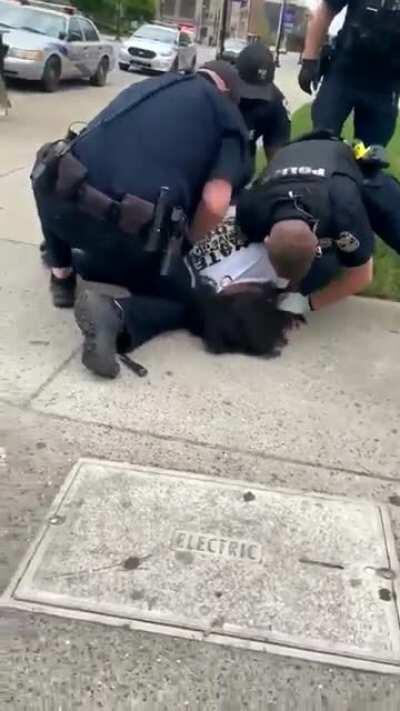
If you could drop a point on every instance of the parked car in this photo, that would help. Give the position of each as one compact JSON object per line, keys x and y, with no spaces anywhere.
{"x":161,"y":48}
{"x":232,"y":49}
{"x":49,"y":43}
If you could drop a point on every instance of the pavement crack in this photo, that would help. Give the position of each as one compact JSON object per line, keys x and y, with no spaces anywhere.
{"x":51,"y":377}
{"x":85,"y":571}
{"x":13,"y":170}
{"x":256,"y":453}
{"x":321,"y":564}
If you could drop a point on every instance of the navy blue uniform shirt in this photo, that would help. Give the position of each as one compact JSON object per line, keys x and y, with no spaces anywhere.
{"x":375,"y":77}
{"x":268,"y":120}
{"x":173,"y":131}
{"x":351,"y":238}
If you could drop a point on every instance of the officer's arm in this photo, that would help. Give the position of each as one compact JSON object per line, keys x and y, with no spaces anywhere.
{"x":230,"y":172}
{"x":276,"y":131}
{"x":351,"y":281}
{"x":212,"y":208}
{"x":318,"y":27}
{"x":354,"y":244}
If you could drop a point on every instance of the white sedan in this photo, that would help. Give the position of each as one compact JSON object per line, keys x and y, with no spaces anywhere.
{"x":49,"y":43}
{"x":159,"y":48}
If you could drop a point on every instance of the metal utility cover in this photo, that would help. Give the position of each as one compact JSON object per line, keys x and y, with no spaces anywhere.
{"x":303,"y":575}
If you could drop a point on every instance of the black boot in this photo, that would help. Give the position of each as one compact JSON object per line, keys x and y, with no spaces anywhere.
{"x":63,"y":291}
{"x":100,"y":321}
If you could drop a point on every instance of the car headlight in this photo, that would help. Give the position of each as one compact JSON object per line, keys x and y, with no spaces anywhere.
{"x":35,"y":55}
{"x":167,"y":53}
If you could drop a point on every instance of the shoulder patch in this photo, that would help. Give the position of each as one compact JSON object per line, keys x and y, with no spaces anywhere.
{"x":347,"y":242}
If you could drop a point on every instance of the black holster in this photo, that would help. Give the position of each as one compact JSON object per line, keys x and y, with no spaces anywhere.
{"x":45,"y":169}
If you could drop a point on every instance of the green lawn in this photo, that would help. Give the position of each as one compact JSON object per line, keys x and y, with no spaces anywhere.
{"x":386,"y":284}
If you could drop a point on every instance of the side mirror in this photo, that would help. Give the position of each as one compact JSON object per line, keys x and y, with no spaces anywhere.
{"x":62,"y":35}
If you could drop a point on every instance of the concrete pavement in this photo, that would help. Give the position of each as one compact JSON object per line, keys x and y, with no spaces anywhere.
{"x":324,"y":417}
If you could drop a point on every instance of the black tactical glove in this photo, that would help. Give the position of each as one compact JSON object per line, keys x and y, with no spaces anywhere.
{"x":309,"y":75}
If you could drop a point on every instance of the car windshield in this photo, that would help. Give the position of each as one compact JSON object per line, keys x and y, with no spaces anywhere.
{"x":235,"y":44}
{"x":158,"y":34}
{"x":17,"y":17}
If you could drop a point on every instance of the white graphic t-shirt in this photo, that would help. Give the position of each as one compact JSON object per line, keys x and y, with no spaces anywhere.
{"x":226,"y":257}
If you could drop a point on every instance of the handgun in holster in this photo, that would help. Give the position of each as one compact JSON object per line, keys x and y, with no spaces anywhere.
{"x":177,"y":234}
{"x":158,"y":229}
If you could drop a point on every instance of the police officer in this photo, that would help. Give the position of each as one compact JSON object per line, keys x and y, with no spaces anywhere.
{"x":309,"y":209}
{"x":303,"y":241}
{"x":363,"y":73}
{"x":182,"y":132}
{"x":262,"y":104}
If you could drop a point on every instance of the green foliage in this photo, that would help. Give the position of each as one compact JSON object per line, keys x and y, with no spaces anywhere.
{"x":117,"y":13}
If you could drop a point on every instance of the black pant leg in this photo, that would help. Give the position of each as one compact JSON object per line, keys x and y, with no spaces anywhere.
{"x":333,"y":104}
{"x":146,"y":317}
{"x":381,"y":196}
{"x":116,"y":257}
{"x":58,"y":250}
{"x":375,"y":117}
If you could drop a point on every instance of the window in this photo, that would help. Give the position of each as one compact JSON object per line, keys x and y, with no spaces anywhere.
{"x":74,"y":31}
{"x":31,"y":19}
{"x":156,"y":33}
{"x":188,"y":9}
{"x":89,"y":30}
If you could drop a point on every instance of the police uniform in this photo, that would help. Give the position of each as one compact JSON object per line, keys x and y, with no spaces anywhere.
{"x":317,"y":181}
{"x":173,"y":131}
{"x":262,"y":104}
{"x":364,"y":74}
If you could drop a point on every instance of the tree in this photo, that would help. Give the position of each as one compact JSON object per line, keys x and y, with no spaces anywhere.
{"x":118,"y":13}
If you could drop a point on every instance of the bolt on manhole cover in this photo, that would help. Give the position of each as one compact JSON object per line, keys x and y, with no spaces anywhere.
{"x":302,"y":575}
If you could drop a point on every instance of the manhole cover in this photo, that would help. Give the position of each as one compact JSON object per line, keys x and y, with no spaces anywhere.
{"x":310,"y":576}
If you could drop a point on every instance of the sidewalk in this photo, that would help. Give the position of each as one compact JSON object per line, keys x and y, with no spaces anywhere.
{"x":322,"y":418}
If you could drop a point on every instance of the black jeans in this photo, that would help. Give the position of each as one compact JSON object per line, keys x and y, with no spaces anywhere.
{"x":105,"y":254}
{"x":381,"y":197}
{"x":375,"y":113}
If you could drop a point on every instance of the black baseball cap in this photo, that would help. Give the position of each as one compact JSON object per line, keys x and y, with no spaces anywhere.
{"x":228,"y":74}
{"x":256,"y":68}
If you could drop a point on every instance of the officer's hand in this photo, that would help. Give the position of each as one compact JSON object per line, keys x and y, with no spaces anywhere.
{"x":309,"y":75}
{"x":295,"y":303}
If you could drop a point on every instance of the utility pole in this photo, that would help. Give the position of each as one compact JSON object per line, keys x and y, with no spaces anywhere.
{"x":119,"y":18}
{"x":279,"y":32}
{"x":222,"y":34}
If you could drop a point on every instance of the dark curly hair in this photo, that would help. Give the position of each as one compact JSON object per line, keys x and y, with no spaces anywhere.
{"x":246,"y":322}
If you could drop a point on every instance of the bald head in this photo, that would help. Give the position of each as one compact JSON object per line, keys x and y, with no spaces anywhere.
{"x":291,"y":247}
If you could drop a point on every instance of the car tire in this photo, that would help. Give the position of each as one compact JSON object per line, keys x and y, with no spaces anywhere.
{"x":100,"y":77}
{"x":193,"y":65}
{"x":51,"y":75}
{"x":124,"y":67}
{"x":175,"y":65}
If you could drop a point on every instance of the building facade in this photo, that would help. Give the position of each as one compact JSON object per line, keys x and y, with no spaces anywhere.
{"x":245,"y":17}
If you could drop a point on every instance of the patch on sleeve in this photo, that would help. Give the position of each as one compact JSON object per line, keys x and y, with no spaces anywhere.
{"x":347,"y":242}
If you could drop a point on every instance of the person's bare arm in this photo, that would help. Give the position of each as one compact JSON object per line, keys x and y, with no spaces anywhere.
{"x":351,"y":281}
{"x":317,"y":29}
{"x":211,"y":209}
